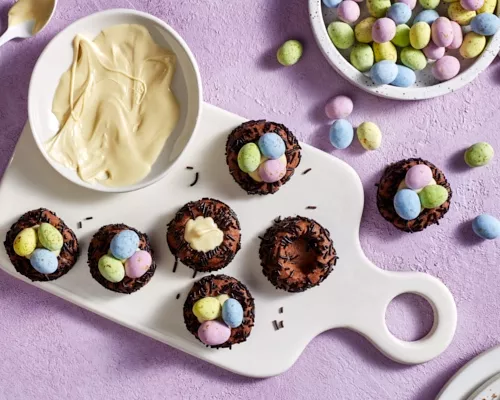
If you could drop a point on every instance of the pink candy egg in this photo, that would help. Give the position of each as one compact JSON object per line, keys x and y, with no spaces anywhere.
{"x":214,"y":333}
{"x":472,"y":5}
{"x":446,"y":68}
{"x":348,"y":11}
{"x":137,"y":265}
{"x":272,"y":171}
{"x":409,"y":3}
{"x":434,"y":52}
{"x":339,"y":107}
{"x":418,"y":176}
{"x":442,"y":32}
{"x":383,"y":30}
{"x":458,"y":36}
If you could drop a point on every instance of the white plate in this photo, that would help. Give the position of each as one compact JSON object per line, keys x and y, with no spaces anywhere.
{"x":473,"y":374}
{"x":426,"y":86}
{"x":490,"y":390}
{"x":58,"y":56}
{"x":355,"y":295}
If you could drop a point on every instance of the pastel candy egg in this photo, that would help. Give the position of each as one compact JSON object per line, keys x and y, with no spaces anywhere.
{"x":384,"y":72}
{"x":472,"y":5}
{"x":332,"y":3}
{"x":458,"y":36}
{"x":378,"y":8}
{"x":137,"y":265}
{"x":111,"y":269}
{"x":255,"y":174}
{"x":489,"y":7}
{"x":413,"y":58}
{"x":459,"y":14}
{"x":50,"y":237}
{"x":485,"y":24}
{"x":420,"y":35}
{"x":339,"y":107}
{"x":400,"y":13}
{"x":418,"y":176}
{"x":429,"y":4}
{"x":433,"y":196}
{"x":348,"y":11}
{"x":446,"y":68}
{"x":271,"y":145}
{"x":363,"y":30}
{"x":479,"y":154}
{"x":428,"y":16}
{"x":272,"y":171}
{"x":406,"y":77}
{"x":385,"y":51}
{"x":433,"y":52}
{"x":402,"y":185}
{"x":249,"y":157}
{"x":44,"y":261}
{"x":207,"y":309}
{"x":214,"y":333}
{"x":232,"y":313}
{"x":341,"y":134}
{"x":362,"y":57}
{"x":124,"y":244}
{"x":222,"y":298}
{"x":442,"y":32}
{"x":402,"y":36}
{"x":341,"y":34}
{"x":289,"y":53}
{"x":486,"y":226}
{"x":407,"y":204}
{"x":369,"y":135}
{"x":409,"y":3}
{"x":25,"y":242}
{"x":383,"y":30}
{"x":473,"y":45}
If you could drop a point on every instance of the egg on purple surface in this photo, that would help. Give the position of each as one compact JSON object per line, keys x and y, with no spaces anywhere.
{"x":418,"y":176}
{"x":124,"y":244}
{"x":339,"y":107}
{"x":214,"y":333}
{"x":486,"y":226}
{"x":137,"y":265}
{"x":272,"y":171}
{"x":271,"y":145}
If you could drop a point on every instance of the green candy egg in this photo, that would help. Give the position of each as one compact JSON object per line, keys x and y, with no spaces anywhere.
{"x":207,"y":309}
{"x":402,"y":37}
{"x":433,"y":196}
{"x":413,"y":58}
{"x":111,"y":269}
{"x":429,"y":4}
{"x":50,"y":237}
{"x":362,"y":57}
{"x":378,"y":8}
{"x":249,"y":158}
{"x":341,"y":34}
{"x":25,"y":242}
{"x":289,"y":53}
{"x":479,"y":154}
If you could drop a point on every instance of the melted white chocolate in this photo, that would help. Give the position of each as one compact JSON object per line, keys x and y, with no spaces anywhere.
{"x":202,"y":234}
{"x":114,"y":106}
{"x":37,"y":10}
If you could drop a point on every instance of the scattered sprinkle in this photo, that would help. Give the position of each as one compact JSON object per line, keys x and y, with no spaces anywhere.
{"x":281,"y":325}
{"x":79,"y":225}
{"x":275,"y":324}
{"x":281,"y":310}
{"x":189,"y":168}
{"x":195,"y":273}
{"x":311,"y":208}
{"x":307,"y":171}
{"x":178,"y":295}
{"x":195,"y":179}
{"x":175,"y":265}
{"x":88,"y":218}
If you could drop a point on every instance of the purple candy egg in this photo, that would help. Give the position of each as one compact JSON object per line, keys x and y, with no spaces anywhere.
{"x":340,"y":107}
{"x":214,"y":333}
{"x":418,"y":176}
{"x":409,"y":3}
{"x":446,"y":68}
{"x":137,"y":265}
{"x":348,"y":11}
{"x":442,"y":32}
{"x":458,"y":36}
{"x":383,"y":30}
{"x":272,"y":171}
{"x":434,"y":52}
{"x":472,"y":5}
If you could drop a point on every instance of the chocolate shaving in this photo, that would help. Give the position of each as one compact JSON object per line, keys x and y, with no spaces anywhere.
{"x":189,"y":168}
{"x":79,"y":225}
{"x":307,"y":171}
{"x":281,"y":325}
{"x":195,"y":179}
{"x":88,"y":218}
{"x":275,"y":324}
{"x":280,"y":310}
{"x":311,"y":208}
{"x":178,"y":295}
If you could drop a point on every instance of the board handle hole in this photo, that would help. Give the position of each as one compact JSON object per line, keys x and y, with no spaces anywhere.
{"x":409,"y":317}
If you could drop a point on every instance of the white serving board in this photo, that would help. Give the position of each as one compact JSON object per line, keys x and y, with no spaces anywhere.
{"x":355,"y":295}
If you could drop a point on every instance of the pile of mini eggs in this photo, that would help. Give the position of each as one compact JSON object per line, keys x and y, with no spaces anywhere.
{"x":417,"y":192}
{"x":217,"y":316}
{"x":265,"y":161}
{"x":41,"y":245}
{"x":124,"y":258}
{"x":378,"y":39}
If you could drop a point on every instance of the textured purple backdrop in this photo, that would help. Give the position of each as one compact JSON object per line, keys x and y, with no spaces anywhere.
{"x":50,"y":349}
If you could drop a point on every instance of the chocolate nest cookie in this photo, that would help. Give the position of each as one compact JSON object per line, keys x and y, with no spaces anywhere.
{"x":213,"y":286}
{"x":297,"y":254}
{"x":225,"y":220}
{"x":99,"y":246}
{"x":67,"y":256}
{"x":388,"y":187}
{"x":251,"y":132}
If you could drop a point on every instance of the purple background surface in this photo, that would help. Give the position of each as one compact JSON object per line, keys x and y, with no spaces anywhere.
{"x":51,"y":349}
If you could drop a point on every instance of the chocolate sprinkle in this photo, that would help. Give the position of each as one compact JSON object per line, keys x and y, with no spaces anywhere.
{"x":195,"y":179}
{"x":79,"y":225}
{"x":311,"y":208}
{"x":275,"y":324}
{"x":176,"y":262}
{"x":89,"y":218}
{"x":281,"y":325}
{"x":307,"y":171}
{"x":189,"y":168}
{"x":281,"y":310}
{"x":178,"y":295}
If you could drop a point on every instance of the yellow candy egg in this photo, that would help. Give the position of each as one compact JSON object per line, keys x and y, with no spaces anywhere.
{"x":473,"y":45}
{"x":459,"y":14}
{"x":369,"y":135}
{"x":420,"y":35}
{"x":222,"y":298}
{"x":489,"y":7}
{"x":207,"y":309}
{"x":385,"y":51}
{"x":363,"y":30}
{"x":25,"y":242}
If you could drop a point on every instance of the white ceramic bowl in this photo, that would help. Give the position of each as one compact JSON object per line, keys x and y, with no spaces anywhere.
{"x":56,"y":59}
{"x":426,"y":86}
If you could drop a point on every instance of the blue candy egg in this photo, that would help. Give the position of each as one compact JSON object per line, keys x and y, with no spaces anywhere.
{"x":407,"y":204}
{"x":341,"y":134}
{"x":44,"y":261}
{"x":428,"y":16}
{"x":486,"y":226}
{"x":485,"y":24}
{"x":400,"y":13}
{"x":384,"y":72}
{"x":332,"y":3}
{"x":406,"y":76}
{"x":124,"y":244}
{"x":232,"y":313}
{"x":271,"y":145}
